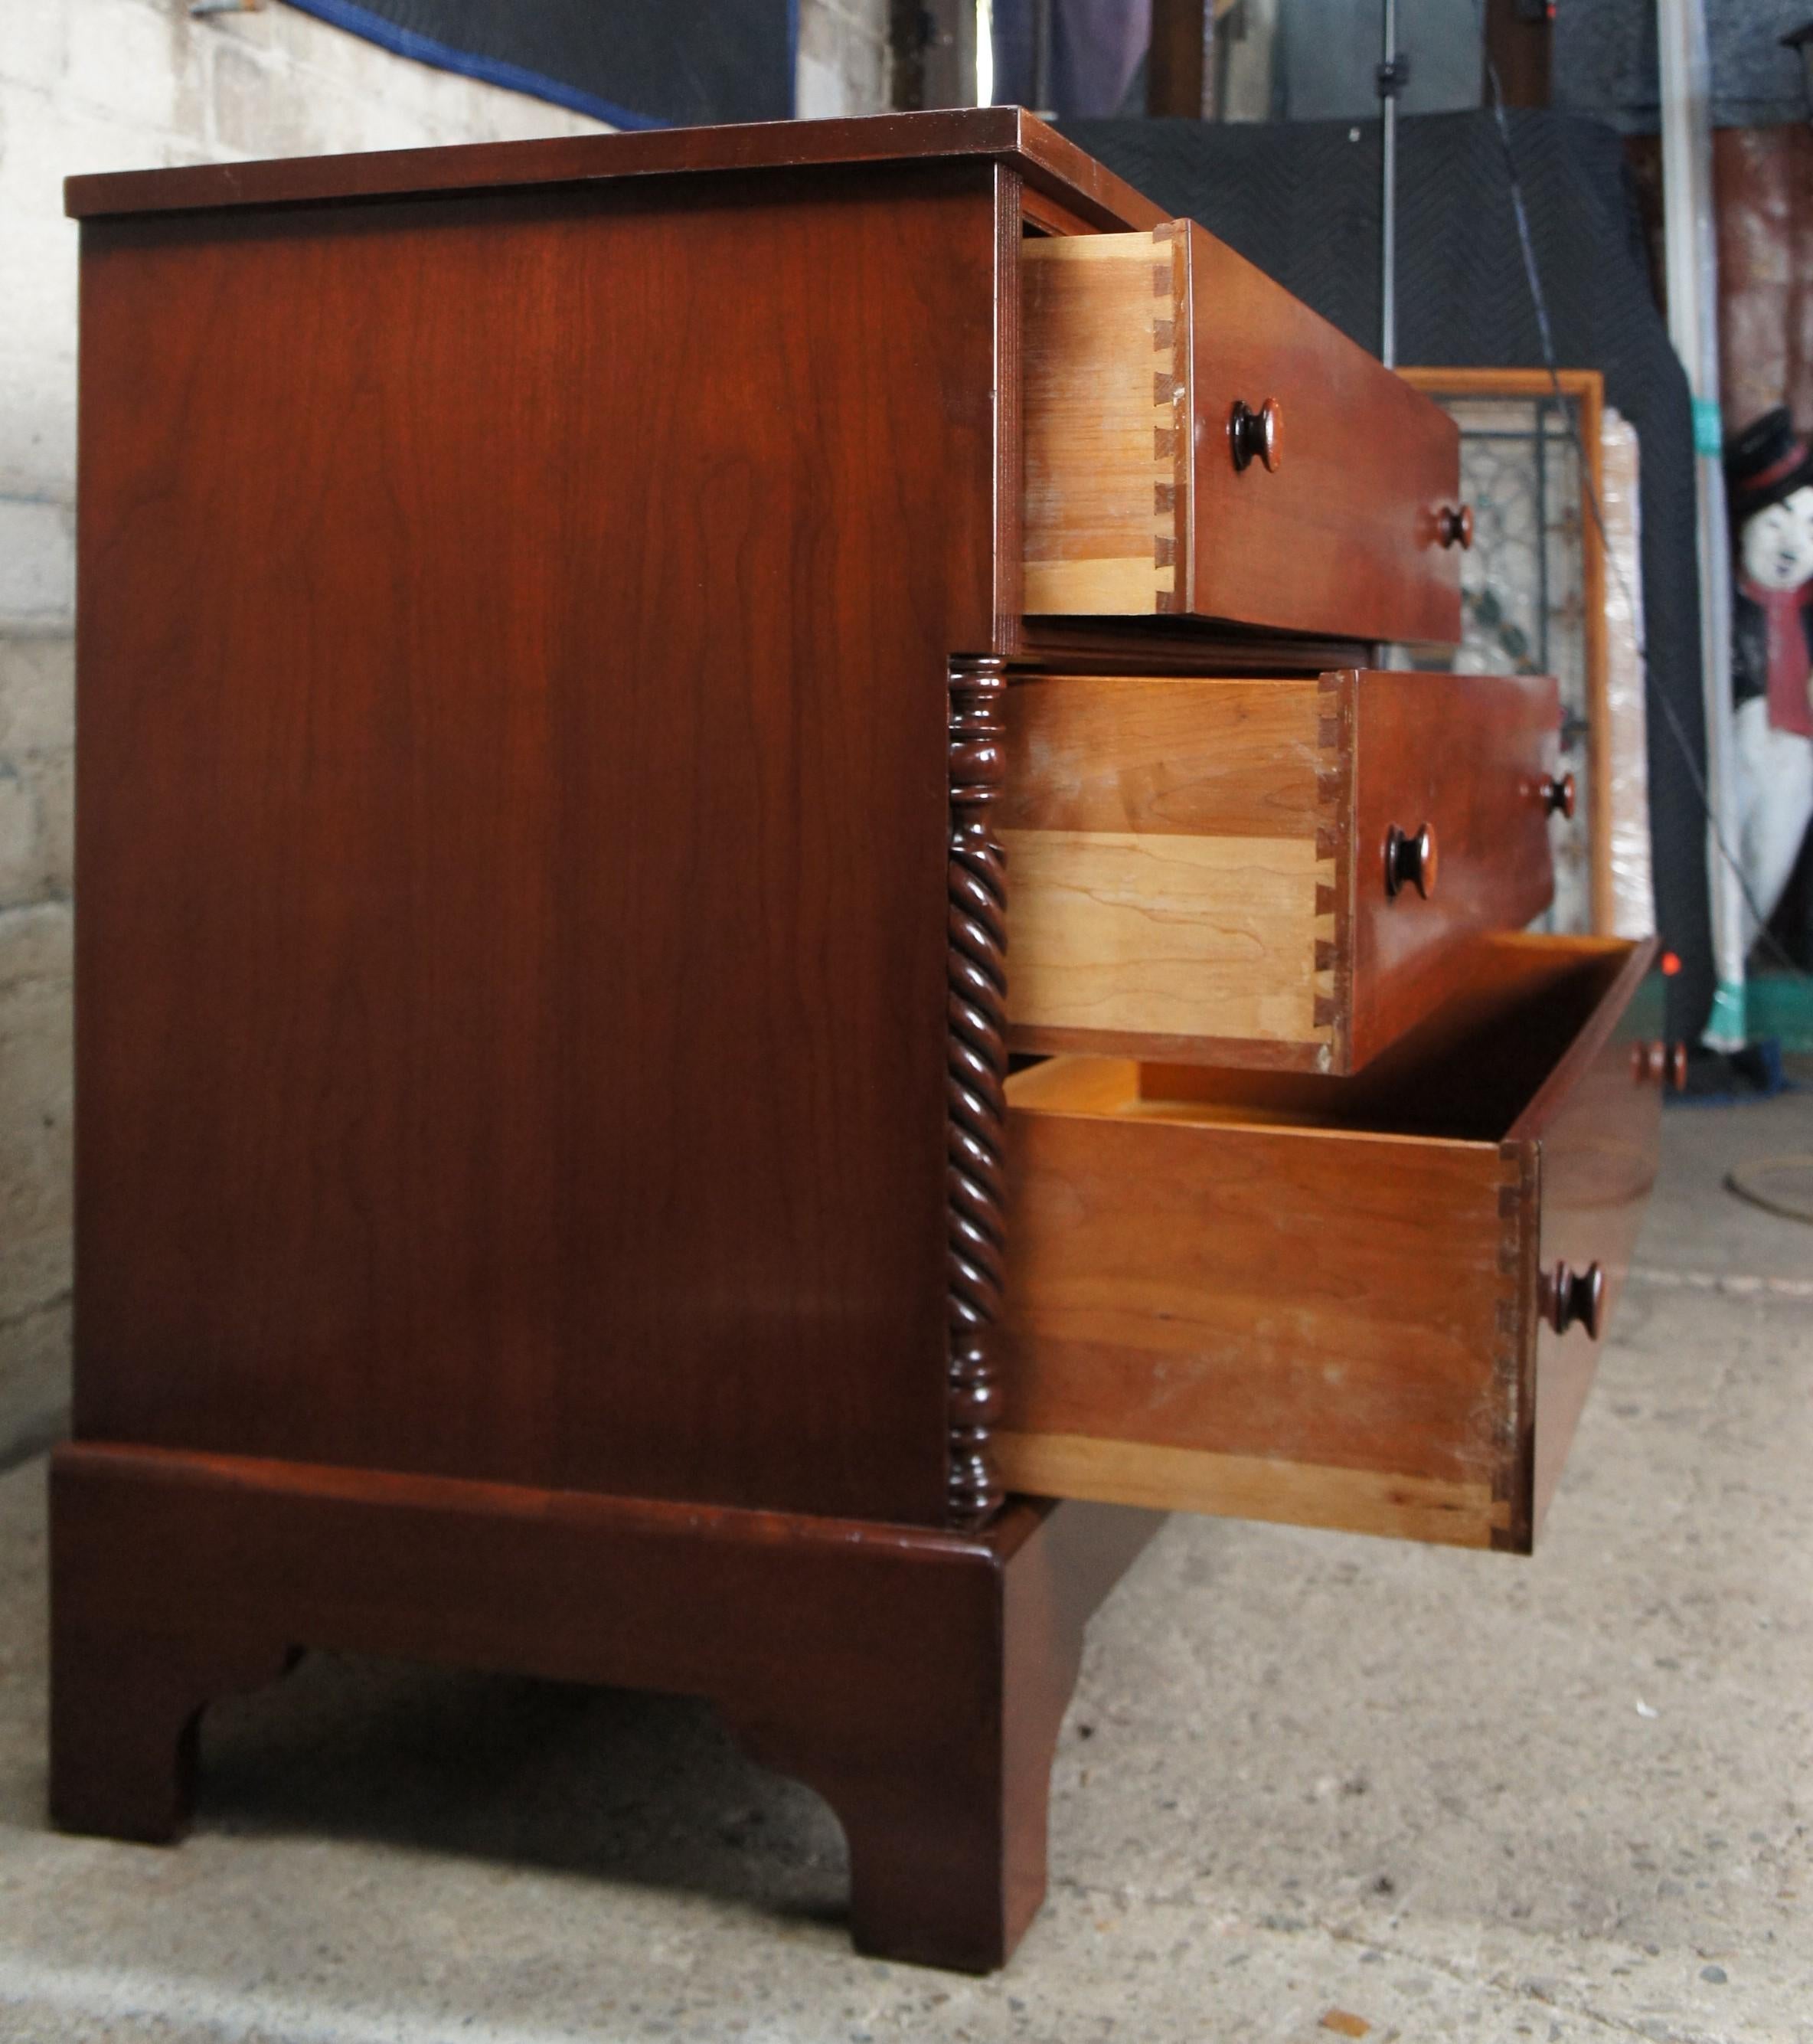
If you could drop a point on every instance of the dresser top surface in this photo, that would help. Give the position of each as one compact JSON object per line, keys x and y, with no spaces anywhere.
{"x":1006,"y":135}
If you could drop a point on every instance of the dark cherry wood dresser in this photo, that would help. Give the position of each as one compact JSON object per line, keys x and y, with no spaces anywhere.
{"x":623,"y":682}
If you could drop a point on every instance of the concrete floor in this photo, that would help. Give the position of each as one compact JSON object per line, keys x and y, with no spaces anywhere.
{"x":1455,"y":1797}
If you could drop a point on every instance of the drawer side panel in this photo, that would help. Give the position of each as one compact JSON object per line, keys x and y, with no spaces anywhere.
{"x":1174,"y":859}
{"x":514,"y":947}
{"x":1318,"y":1322}
{"x":1177,"y":935}
{"x":1106,"y":462}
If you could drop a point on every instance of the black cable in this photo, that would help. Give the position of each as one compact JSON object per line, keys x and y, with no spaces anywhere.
{"x":1651,"y":694}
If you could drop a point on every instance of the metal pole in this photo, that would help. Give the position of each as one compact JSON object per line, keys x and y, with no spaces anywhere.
{"x":1392,"y":73}
{"x":1692,"y":264}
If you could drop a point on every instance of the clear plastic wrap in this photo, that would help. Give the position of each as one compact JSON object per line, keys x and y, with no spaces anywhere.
{"x":1626,"y":737}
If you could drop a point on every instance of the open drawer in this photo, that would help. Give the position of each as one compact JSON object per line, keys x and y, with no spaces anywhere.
{"x":1199,"y":442}
{"x":1372,"y":1303}
{"x":1285,"y":872}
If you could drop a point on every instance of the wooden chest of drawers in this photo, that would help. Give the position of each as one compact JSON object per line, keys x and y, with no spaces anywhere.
{"x":610,"y":699}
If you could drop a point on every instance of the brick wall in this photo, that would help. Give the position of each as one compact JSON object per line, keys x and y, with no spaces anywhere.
{"x":93,"y":84}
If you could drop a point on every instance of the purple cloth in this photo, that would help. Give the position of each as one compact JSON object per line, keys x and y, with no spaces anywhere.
{"x":1096,"y":49}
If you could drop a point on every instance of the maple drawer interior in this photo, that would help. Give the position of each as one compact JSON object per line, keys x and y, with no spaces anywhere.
{"x":1279,"y":1296}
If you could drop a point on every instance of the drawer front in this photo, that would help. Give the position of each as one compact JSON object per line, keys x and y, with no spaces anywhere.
{"x":1471,"y":757}
{"x":1197,"y":867}
{"x":1318,"y":1301}
{"x":1598,"y":1142}
{"x":1199,"y":442}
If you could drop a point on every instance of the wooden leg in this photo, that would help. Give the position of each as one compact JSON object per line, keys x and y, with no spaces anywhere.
{"x":916,"y":1679}
{"x":123,"y":1737}
{"x":928,"y":1848}
{"x":947,"y":1868}
{"x":942,"y":1797}
{"x":125,"y":1715}
{"x":126,"y":1701}
{"x":940,"y":1773}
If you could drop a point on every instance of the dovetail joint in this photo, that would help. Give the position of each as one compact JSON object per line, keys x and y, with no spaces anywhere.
{"x":1170,"y":437}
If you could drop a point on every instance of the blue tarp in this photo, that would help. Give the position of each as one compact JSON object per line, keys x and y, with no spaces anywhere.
{"x":635,"y":63}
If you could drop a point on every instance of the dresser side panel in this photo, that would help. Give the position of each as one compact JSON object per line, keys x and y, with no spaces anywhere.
{"x":512,"y":972}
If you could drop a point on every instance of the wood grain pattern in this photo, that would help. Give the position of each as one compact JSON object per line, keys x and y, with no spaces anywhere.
{"x":1017,"y":140}
{"x":1466,"y":754}
{"x":1199,"y":861}
{"x":1231,"y":1291}
{"x":1265,"y":1487}
{"x":1434,"y":1079}
{"x":1166,"y":754}
{"x":1315,"y":1299}
{"x":513,"y":958}
{"x":1107,"y":455}
{"x":1007,"y":564}
{"x":1174,"y":870}
{"x":178,"y":1577}
{"x":1341,"y":538}
{"x":1131,"y":378}
{"x":1164,"y":935}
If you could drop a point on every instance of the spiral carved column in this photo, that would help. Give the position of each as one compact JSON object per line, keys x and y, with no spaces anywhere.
{"x":974,"y":1178}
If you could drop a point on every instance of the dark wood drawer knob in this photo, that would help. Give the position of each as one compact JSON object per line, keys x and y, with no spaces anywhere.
{"x":1575,"y":1299}
{"x":1410,"y":862}
{"x":1257,"y":436}
{"x":1455,"y":525}
{"x":1664,"y":1064}
{"x":1557,"y":793}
